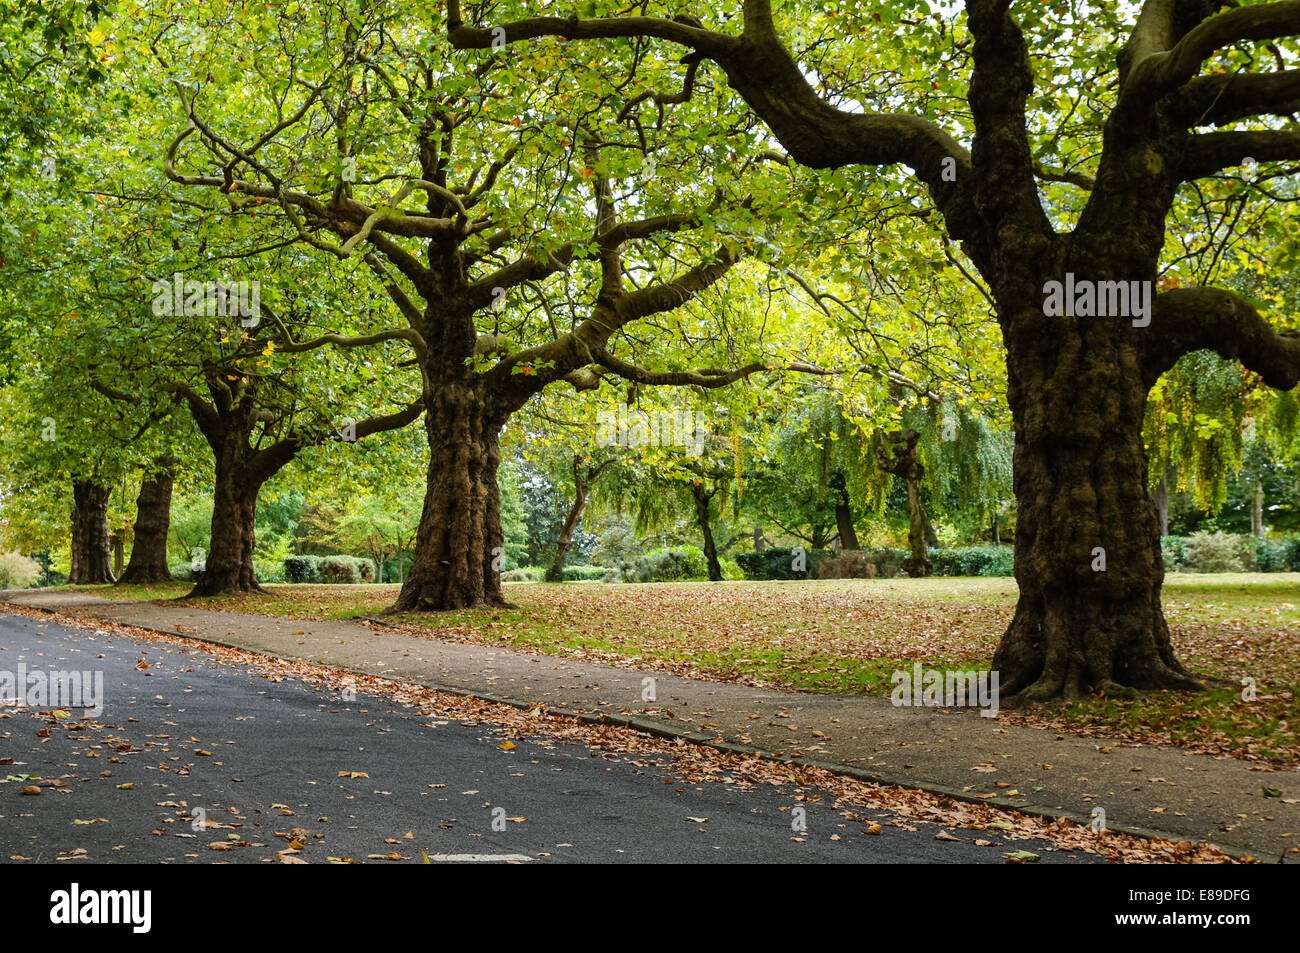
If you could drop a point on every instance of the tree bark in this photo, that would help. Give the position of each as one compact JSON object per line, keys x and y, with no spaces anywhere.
{"x":702,"y":499}
{"x":1088,"y":561}
{"x":228,"y":566}
{"x":459,"y":544}
{"x":91,"y":555}
{"x":152,"y":521}
{"x":1257,"y":511}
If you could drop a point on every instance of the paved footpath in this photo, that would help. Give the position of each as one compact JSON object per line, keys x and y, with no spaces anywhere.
{"x":1166,"y":791}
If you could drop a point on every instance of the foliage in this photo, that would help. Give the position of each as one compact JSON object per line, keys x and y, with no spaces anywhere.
{"x":973,"y":561}
{"x":1212,"y":552}
{"x":18,"y":571}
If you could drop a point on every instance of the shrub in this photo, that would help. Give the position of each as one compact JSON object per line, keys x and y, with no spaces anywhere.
{"x":18,"y":571}
{"x":1265,"y":555}
{"x":778,"y":563}
{"x":584,"y":573}
{"x":1171,"y":551}
{"x":345,"y":570}
{"x":973,"y":561}
{"x":667,"y":565}
{"x":852,"y":565}
{"x":302,"y":569}
{"x":1291,"y":553}
{"x":523,"y":574}
{"x":1213,"y":552}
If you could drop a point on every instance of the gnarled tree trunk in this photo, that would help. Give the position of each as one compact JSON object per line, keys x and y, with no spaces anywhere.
{"x":1088,"y":558}
{"x":459,"y":545}
{"x":91,"y":553}
{"x":228,"y":565}
{"x":152,"y":521}
{"x":900,"y":460}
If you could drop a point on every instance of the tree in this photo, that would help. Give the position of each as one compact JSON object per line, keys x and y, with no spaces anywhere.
{"x":514,"y":262}
{"x":152,"y":524}
{"x":1079,"y":369}
{"x":900,"y":460}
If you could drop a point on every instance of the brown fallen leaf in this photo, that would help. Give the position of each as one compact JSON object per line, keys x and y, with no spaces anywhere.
{"x":874,"y":829}
{"x":944,"y":835}
{"x":31,"y":789}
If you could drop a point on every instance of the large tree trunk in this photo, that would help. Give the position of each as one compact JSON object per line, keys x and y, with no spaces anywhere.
{"x":556,"y":572}
{"x":1087,"y":540}
{"x":228,"y":567}
{"x":152,"y":521}
{"x":702,"y":498}
{"x":91,"y":554}
{"x":1257,"y":511}
{"x":459,"y":545}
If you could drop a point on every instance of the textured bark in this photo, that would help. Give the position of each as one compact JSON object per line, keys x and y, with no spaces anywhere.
{"x":1257,"y":511}
{"x":459,"y":544}
{"x":152,"y":521}
{"x":228,"y":566}
{"x":702,"y":519}
{"x":1088,"y":558}
{"x":91,"y":554}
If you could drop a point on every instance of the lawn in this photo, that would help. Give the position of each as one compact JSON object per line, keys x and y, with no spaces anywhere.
{"x":849,"y":636}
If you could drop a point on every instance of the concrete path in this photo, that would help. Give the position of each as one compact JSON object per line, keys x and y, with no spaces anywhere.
{"x":1167,"y":791}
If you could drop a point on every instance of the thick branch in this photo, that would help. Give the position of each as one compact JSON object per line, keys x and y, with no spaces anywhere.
{"x":1212,"y":152}
{"x":1159,"y":73}
{"x":1211,"y":319}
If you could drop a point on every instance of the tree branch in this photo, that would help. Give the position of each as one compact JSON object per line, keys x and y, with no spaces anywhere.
{"x":1212,"y":319}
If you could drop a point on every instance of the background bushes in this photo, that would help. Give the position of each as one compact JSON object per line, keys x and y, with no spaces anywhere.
{"x":333,"y":570}
{"x":1227,"y":552}
{"x":873,"y":563}
{"x":18,"y":571}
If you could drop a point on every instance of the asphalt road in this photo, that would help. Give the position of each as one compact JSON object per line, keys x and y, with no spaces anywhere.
{"x":261,"y":760}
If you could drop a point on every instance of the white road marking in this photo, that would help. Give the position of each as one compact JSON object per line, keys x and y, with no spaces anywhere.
{"x":476,"y":858}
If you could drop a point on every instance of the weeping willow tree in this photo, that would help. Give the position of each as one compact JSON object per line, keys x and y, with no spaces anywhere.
{"x":1208,"y":420}
{"x":817,"y":476}
{"x":966,"y":450}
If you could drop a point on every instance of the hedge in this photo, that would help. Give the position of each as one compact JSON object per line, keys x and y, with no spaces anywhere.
{"x":875,"y":563}
{"x":336,"y":570}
